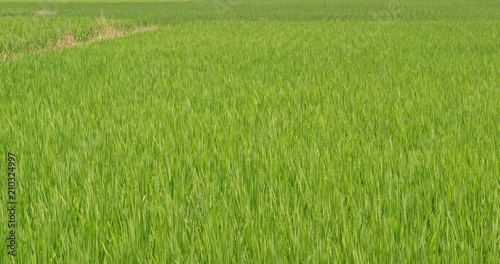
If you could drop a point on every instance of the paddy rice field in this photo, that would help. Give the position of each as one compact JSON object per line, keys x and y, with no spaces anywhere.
{"x":250,"y":131}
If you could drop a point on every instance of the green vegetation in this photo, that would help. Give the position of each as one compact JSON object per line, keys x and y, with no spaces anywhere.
{"x":259,"y":132}
{"x":32,"y":34}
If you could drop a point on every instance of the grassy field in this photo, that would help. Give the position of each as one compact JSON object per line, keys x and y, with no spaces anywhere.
{"x":252,"y":131}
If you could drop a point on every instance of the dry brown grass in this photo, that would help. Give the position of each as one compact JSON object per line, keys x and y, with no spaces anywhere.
{"x":108,"y":33}
{"x":45,"y":12}
{"x":68,"y":40}
{"x":145,"y":29}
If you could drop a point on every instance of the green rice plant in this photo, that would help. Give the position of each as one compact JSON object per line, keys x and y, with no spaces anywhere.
{"x":325,"y":132}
